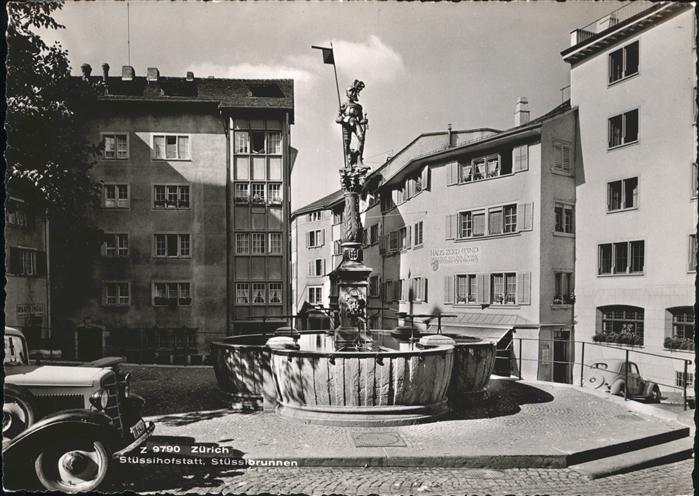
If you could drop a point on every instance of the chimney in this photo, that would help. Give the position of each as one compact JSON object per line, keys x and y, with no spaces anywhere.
{"x":87,"y":70}
{"x":153,"y":74}
{"x":105,"y":71}
{"x":190,"y":76}
{"x":127,"y":73}
{"x":450,"y":136}
{"x":521,"y":111}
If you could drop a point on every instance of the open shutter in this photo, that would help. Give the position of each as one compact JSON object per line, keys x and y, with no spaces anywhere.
{"x":408,"y":236}
{"x":449,"y":289}
{"x":40,"y":263}
{"x":324,"y":272}
{"x":450,"y":223}
{"x":483,"y":283}
{"x":311,"y":271}
{"x":424,"y":290}
{"x":308,"y":240}
{"x":322,"y":237}
{"x":452,"y":173}
{"x":425,"y":177}
{"x":525,"y":216}
{"x":524,"y":288}
{"x":521,"y":158}
{"x":15,"y":263}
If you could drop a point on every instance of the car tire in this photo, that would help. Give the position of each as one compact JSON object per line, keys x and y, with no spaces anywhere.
{"x":655,"y":395}
{"x":72,"y":465}
{"x":618,"y":389}
{"x":19,"y":411}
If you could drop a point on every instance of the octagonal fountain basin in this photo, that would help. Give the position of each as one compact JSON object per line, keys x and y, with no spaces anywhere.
{"x":394,"y":383}
{"x":243,"y":372}
{"x":474,"y":361}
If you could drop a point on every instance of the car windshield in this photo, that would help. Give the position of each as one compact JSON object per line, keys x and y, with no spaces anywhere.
{"x":15,"y":353}
{"x":600,"y":365}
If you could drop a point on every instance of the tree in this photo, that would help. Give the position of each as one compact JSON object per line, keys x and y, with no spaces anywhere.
{"x":47,"y":155}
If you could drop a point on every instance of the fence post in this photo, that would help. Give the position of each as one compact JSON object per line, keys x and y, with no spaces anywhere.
{"x":582,"y":363}
{"x":684,"y":385}
{"x":520,"y":358}
{"x":626,"y":377}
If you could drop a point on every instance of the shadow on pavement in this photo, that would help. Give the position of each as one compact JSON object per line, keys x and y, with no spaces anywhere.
{"x":179,"y":420}
{"x":504,"y":398}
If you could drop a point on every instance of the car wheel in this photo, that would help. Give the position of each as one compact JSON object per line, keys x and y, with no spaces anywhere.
{"x":619,"y":390}
{"x":595,"y":380}
{"x":655,"y":395}
{"x":72,"y":465}
{"x":18,"y":413}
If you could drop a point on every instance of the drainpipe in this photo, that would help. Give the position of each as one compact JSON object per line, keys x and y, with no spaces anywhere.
{"x":226,"y":131}
{"x":48,"y":274}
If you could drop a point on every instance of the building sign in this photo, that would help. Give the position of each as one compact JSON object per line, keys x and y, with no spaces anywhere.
{"x":454,"y":256}
{"x":25,"y":311}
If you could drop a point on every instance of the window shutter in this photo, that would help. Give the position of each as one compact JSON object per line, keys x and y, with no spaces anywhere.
{"x":452,"y":173}
{"x":382,"y":243}
{"x":424,"y":290}
{"x":483,"y":283}
{"x":311,"y":271}
{"x":15,"y":263}
{"x":425,"y":177}
{"x":40,"y":263}
{"x":524,"y":288}
{"x":565,"y":158}
{"x":524,"y":216}
{"x":408,"y":236}
{"x":450,"y":232}
{"x":449,"y":289}
{"x":521,"y":158}
{"x":322,"y":237}
{"x":308,"y":240}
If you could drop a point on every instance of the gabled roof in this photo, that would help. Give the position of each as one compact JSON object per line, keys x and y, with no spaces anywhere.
{"x":267,"y":94}
{"x":324,"y":203}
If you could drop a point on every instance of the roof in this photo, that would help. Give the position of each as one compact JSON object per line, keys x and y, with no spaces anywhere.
{"x":487,"y":136}
{"x":323,"y":204}
{"x":267,"y":94}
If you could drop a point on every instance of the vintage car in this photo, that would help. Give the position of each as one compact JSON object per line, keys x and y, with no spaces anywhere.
{"x":63,"y":426}
{"x":611,"y":374}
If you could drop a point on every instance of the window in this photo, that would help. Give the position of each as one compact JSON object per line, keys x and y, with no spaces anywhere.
{"x":241,"y":142}
{"x":622,"y":194}
{"x":337,"y":247}
{"x":115,"y":196}
{"x":561,"y":156}
{"x":623,"y":62}
{"x":16,"y":213}
{"x":315,"y":238}
{"x":503,"y":288}
{"x":374,"y":286}
{"x":404,"y":238}
{"x":170,"y":196}
{"x":420,"y":289}
{"x":693,"y":252}
{"x":510,"y":218}
{"x":316,"y":267}
{"x":393,"y":241}
{"x":258,"y":243}
{"x":242,"y":244}
{"x":116,"y":293}
{"x":466,"y":288}
{"x":337,"y":217}
{"x":388,"y":293}
{"x":172,"y":294}
{"x":400,"y":291}
{"x":418,"y":233}
{"x":257,"y":142}
{"x":621,"y":324}
{"x":495,"y":220}
{"x":315,"y":295}
{"x":695,"y":179}
{"x":116,"y":146}
{"x":471,"y":224}
{"x":275,"y":243}
{"x":564,"y":292}
{"x":242,"y":192}
{"x":242,"y":293}
{"x":682,"y":322}
{"x":275,"y":292}
{"x":275,"y":193}
{"x":172,"y":245}
{"x":27,"y":262}
{"x":623,"y":128}
{"x":314,"y":216}
{"x":374,"y":233}
{"x":521,"y":158}
{"x":116,"y":245}
{"x":258,"y":192}
{"x":626,"y":257}
{"x":171,"y":147}
{"x":564,"y":217}
{"x":681,"y":380}
{"x":483,"y":168}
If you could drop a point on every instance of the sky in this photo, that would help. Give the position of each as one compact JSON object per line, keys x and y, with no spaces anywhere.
{"x":425,"y":65}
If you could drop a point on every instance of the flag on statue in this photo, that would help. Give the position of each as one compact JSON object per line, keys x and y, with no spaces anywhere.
{"x":328,"y":56}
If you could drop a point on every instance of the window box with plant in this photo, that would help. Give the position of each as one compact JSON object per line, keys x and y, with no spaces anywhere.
{"x":677,"y":343}
{"x":625,"y":338}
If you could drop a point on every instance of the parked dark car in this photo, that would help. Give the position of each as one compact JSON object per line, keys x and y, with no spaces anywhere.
{"x":64,"y":425}
{"x":611,"y":375}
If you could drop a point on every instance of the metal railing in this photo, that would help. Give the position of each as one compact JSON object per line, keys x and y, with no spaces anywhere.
{"x":615,"y":17}
{"x":583,"y":345}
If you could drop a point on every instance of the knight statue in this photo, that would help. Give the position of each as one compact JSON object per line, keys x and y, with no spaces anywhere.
{"x":353,"y":121}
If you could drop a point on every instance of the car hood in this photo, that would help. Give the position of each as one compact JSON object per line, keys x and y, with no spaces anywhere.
{"x":53,"y":375}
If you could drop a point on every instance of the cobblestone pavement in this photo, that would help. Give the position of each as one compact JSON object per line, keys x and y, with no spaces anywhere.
{"x":671,"y":479}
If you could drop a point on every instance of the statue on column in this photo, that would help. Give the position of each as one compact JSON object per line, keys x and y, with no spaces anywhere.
{"x":353,"y":121}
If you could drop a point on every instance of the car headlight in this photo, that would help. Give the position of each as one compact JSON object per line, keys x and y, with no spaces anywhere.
{"x":100,"y":399}
{"x":127,"y":384}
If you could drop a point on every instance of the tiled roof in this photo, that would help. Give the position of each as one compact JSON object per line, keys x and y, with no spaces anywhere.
{"x":226,"y":93}
{"x":322,"y":204}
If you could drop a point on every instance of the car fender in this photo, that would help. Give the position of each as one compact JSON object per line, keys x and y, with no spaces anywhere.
{"x":648,"y":388}
{"x":617,"y":386}
{"x":68,"y":423}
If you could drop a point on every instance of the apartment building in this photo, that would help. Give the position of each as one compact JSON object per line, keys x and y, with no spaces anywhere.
{"x":479,"y":225}
{"x":26,"y":271}
{"x":195,"y":209}
{"x":633,"y":82}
